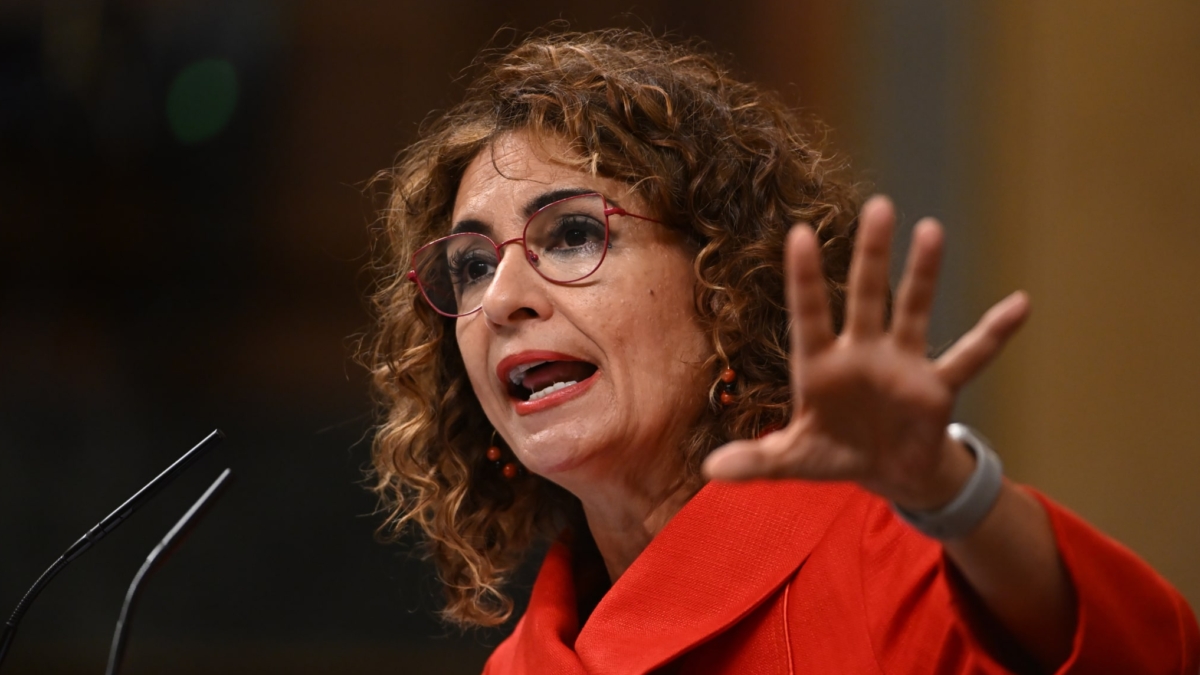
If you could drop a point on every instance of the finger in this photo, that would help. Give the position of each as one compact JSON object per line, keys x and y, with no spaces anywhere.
{"x":914,"y":300}
{"x":973,"y":351}
{"x":807,"y":303}
{"x":744,"y":460}
{"x":867,"y":295}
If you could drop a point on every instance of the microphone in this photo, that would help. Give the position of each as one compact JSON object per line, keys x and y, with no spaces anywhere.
{"x":157,"y":558}
{"x":110,"y":523}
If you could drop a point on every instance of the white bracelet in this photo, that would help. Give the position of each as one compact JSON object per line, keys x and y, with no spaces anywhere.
{"x":969,"y":507}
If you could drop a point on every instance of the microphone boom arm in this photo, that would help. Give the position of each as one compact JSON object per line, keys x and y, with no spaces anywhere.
{"x":155,"y":560}
{"x":110,"y":522}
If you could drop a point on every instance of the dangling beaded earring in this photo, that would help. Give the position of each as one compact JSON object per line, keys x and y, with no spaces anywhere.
{"x":728,"y":386}
{"x":495,"y":455}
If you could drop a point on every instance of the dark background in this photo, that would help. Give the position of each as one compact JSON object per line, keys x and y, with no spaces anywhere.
{"x":183,"y":236}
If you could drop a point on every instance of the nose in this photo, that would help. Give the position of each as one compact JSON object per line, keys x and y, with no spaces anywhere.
{"x":517,"y":292}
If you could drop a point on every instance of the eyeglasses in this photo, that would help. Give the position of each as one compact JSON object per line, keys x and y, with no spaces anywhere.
{"x":564,"y":241}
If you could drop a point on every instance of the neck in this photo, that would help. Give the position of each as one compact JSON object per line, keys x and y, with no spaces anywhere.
{"x":623,"y":516}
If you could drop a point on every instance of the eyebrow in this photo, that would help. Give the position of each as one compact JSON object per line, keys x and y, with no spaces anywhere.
{"x":539,"y":202}
{"x":547,"y":198}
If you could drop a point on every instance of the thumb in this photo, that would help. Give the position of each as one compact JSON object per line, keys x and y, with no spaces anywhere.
{"x":738,"y":460}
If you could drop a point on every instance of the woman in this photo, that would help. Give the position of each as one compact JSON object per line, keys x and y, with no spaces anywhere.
{"x":585,"y":321}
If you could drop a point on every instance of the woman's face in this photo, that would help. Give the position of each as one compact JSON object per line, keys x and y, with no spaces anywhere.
{"x":627,"y":336}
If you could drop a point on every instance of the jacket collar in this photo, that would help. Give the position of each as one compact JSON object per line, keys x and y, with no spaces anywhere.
{"x":723,"y":554}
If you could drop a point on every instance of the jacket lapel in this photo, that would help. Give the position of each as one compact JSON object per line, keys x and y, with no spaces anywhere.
{"x":544,"y":639}
{"x":723,"y":554}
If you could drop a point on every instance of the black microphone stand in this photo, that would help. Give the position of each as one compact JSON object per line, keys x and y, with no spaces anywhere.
{"x":110,"y":522}
{"x":155,"y":560}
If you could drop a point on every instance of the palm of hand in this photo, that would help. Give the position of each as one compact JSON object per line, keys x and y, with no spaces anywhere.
{"x":870,"y":407}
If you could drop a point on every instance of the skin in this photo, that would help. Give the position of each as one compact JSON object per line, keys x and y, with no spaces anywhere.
{"x":871,"y":408}
{"x":633,"y":319}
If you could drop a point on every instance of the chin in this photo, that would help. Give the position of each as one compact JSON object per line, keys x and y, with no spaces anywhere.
{"x":558,"y":451}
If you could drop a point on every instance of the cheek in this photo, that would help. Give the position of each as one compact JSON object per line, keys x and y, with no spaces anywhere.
{"x":473,"y":351}
{"x":661,"y":327}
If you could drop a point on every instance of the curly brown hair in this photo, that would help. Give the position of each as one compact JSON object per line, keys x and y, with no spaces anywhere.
{"x":721,"y":161}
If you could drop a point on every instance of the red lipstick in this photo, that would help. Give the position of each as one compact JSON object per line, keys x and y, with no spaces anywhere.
{"x":557,"y":397}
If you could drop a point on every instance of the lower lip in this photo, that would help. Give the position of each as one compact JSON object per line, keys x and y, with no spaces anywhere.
{"x":557,"y":398}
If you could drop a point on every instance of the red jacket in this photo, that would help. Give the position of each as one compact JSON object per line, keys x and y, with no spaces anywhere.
{"x":793,"y":577}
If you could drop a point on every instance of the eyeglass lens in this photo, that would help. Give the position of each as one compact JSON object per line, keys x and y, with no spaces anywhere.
{"x":564,"y":242}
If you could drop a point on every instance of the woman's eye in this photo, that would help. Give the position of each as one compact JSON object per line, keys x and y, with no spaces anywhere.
{"x":468,"y":267}
{"x":578,"y":232}
{"x":477,"y":269}
{"x":575,"y":237}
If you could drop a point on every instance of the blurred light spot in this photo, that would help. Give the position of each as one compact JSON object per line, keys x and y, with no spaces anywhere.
{"x":201,"y":100}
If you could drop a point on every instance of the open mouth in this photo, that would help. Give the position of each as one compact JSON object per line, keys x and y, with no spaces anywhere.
{"x":538,"y":379}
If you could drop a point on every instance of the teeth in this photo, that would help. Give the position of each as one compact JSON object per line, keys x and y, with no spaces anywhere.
{"x":517,"y":375}
{"x":550,"y":390}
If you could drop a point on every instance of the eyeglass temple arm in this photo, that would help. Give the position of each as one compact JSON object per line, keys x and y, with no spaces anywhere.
{"x":618,"y":211}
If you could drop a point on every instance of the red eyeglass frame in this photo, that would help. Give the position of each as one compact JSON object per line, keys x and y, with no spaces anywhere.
{"x":530,"y":256}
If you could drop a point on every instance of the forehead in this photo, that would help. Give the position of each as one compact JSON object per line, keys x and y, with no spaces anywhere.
{"x":516,"y":171}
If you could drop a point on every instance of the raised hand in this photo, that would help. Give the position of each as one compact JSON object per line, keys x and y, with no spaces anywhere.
{"x":870,"y":406}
